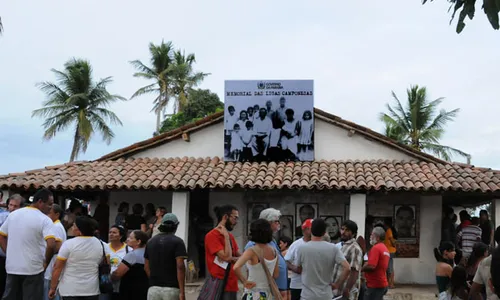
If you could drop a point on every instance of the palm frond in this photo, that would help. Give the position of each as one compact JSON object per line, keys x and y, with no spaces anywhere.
{"x":445,"y":152}
{"x":101,"y":126}
{"x":106,"y":115}
{"x":442,"y":118}
{"x":57,"y":123}
{"x":148,"y":89}
{"x":143,"y":69}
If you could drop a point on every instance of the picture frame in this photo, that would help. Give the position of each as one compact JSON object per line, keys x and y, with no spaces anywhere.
{"x":405,"y":221}
{"x":287,"y":227}
{"x":253,"y":212}
{"x":333,"y":225}
{"x":304,"y":211}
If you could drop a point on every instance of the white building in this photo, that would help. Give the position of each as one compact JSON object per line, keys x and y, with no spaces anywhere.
{"x":357,"y":172}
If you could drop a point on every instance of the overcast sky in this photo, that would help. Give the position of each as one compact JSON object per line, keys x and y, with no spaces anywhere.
{"x":356,"y":52}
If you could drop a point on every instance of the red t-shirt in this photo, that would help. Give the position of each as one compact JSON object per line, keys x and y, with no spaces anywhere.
{"x":378,"y":257}
{"x":214,"y":242}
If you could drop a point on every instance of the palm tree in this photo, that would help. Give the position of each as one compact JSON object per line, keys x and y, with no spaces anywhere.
{"x":418,"y":124}
{"x":184,"y":78}
{"x":76,"y":100}
{"x":159,"y":72}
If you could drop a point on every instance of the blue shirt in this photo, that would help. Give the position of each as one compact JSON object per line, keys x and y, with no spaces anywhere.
{"x":282,"y":280}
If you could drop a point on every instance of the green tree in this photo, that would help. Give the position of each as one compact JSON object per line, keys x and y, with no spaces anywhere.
{"x":76,"y":100}
{"x":467,"y":8}
{"x":161,"y":60}
{"x":184,"y":78}
{"x":201,"y":104}
{"x":419,"y":125}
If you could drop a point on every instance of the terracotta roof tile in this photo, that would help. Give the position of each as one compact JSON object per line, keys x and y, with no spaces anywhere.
{"x":191,"y":173}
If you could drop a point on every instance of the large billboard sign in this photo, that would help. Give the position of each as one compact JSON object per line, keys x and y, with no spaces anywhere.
{"x":269,"y":120}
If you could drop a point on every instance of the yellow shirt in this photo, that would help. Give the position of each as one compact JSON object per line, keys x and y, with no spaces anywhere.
{"x":390,"y":242}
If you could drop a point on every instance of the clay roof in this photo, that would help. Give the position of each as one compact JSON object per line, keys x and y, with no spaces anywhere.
{"x":219,"y":117}
{"x":190,"y":173}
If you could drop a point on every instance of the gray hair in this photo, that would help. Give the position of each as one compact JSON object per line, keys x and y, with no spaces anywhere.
{"x":379,"y":232}
{"x":270,"y":214}
{"x":17,"y":197}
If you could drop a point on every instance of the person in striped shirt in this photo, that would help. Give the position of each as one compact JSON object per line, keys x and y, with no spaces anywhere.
{"x":468,"y":236}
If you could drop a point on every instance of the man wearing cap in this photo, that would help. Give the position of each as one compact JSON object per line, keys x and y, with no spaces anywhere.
{"x":292,"y":262}
{"x":164,"y":262}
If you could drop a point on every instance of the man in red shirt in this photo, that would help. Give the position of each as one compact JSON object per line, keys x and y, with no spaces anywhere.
{"x":221,"y":250}
{"x":376,"y":267}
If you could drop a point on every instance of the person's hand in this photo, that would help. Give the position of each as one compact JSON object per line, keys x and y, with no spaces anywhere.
{"x":298,"y":270}
{"x":150,"y":226}
{"x":223,"y":230}
{"x":45,"y":265}
{"x":249,"y":285}
{"x":52,"y":293}
{"x":334,"y":285}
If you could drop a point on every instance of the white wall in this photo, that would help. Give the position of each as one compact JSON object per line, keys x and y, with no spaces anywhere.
{"x":332,"y":143}
{"x":158,"y":198}
{"x":421,"y":270}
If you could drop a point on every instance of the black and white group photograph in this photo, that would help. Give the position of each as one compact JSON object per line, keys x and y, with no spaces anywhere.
{"x":269,"y":121}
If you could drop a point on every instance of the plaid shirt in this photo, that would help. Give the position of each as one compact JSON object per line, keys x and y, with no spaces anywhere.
{"x":354,"y":256}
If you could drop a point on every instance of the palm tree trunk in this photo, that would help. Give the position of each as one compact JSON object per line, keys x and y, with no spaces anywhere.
{"x":76,"y":144}
{"x":158,"y":114}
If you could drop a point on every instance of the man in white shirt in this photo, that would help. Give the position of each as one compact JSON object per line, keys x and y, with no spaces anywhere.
{"x":292,"y":260}
{"x":56,"y":214}
{"x":483,"y":276}
{"x":14,"y":202}
{"x":29,"y":233}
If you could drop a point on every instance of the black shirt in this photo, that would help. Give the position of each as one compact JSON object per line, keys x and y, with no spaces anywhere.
{"x":162,"y":251}
{"x":134,"y":222}
{"x":486,"y":232}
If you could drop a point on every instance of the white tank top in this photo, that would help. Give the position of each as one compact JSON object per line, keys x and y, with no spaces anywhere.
{"x":257,"y":274}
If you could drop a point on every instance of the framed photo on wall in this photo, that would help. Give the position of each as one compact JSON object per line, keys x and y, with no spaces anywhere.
{"x":405,"y":221}
{"x":333,"y":224}
{"x":287,"y":227}
{"x":253,"y":212}
{"x":304,"y":211}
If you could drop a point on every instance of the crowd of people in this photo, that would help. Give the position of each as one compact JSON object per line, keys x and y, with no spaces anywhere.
{"x":50,"y":253}
{"x":309,"y":268}
{"x":465,"y":269}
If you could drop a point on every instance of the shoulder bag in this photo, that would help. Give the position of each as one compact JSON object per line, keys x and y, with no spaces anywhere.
{"x":272,"y":283}
{"x":105,"y":283}
{"x":213,"y":288}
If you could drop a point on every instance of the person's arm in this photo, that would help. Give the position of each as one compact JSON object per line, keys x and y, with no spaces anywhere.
{"x":50,"y":250}
{"x":127,"y":262}
{"x":372,"y":262}
{"x":355,"y":266}
{"x":146,"y":267}
{"x":180,"y":256}
{"x":56,"y":274}
{"x":214,"y":245}
{"x":339,"y":258}
{"x":59,"y":265}
{"x":144,"y":228}
{"x":247,"y":255}
{"x":290,"y":257}
{"x":181,"y":276}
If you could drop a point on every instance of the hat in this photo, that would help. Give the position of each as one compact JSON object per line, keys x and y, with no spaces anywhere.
{"x":307,"y":223}
{"x":170,"y":217}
